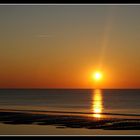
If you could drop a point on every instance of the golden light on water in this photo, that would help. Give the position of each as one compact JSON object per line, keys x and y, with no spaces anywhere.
{"x":97,"y":105}
{"x":97,"y":115}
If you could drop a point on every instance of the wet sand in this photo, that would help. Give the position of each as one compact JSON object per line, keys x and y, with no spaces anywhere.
{"x":62,"y":121}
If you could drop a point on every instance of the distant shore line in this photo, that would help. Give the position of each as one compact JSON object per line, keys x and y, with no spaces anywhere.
{"x":67,"y":112}
{"x":69,"y":88}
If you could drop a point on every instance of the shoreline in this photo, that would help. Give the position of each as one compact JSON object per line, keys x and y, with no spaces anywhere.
{"x":68,"y":112}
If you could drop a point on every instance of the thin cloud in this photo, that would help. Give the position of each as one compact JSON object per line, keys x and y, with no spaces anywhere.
{"x":44,"y":36}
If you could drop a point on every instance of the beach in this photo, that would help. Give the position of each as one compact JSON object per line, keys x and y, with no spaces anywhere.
{"x":25,"y":120}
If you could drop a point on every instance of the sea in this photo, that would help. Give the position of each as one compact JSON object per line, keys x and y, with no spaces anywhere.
{"x":75,"y":100}
{"x":82,"y":101}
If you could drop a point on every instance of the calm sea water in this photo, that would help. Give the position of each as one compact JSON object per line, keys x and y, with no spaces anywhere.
{"x":83,"y":100}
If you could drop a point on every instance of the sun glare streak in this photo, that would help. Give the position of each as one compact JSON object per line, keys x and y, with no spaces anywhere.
{"x":106,"y":35}
{"x":97,"y":106}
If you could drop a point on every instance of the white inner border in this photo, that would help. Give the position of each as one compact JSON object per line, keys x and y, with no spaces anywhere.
{"x":73,"y":5}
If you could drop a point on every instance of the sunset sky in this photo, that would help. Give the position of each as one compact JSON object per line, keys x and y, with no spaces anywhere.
{"x":60,"y":46}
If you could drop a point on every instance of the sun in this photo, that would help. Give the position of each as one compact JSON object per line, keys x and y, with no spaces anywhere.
{"x":97,"y":75}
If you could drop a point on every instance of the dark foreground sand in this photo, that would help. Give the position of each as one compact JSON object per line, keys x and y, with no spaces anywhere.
{"x":68,"y":121}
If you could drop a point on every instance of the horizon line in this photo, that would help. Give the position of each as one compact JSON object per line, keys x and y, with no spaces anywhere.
{"x":68,"y":88}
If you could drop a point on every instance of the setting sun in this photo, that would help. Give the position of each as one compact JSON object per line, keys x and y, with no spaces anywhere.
{"x":97,"y":75}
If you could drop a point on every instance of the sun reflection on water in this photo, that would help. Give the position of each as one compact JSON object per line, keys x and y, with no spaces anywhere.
{"x":97,"y":105}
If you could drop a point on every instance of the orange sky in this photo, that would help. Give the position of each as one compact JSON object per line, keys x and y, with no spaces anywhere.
{"x":61,"y":46}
